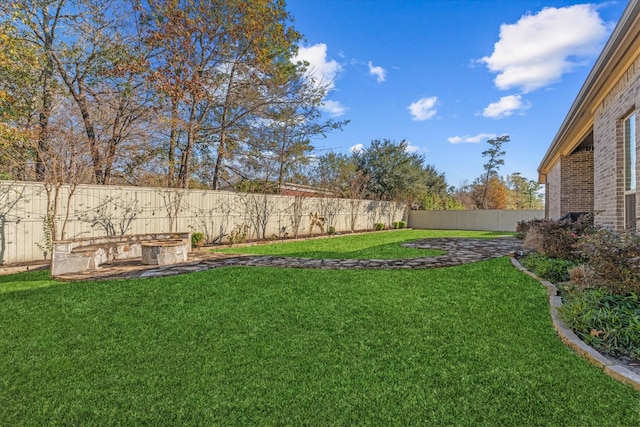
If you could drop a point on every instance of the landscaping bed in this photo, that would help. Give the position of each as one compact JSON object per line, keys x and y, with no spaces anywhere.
{"x":597,"y":273}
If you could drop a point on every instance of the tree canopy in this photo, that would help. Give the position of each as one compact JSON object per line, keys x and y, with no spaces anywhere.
{"x":195,"y":93}
{"x":157,"y":92}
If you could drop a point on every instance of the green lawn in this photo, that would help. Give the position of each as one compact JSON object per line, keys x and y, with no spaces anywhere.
{"x":386,"y":245}
{"x":468,"y":345}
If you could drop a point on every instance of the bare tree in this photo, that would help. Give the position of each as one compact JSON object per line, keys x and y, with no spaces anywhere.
{"x":297,"y":210}
{"x":259,"y":208}
{"x":173,"y":200}
{"x":67,"y":164}
{"x":357,"y":193}
{"x":10,"y":195}
{"x":329,"y":208}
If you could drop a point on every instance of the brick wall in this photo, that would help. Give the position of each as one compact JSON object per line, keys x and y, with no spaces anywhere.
{"x":577,"y":182}
{"x":608,"y":136}
{"x":553,"y":186}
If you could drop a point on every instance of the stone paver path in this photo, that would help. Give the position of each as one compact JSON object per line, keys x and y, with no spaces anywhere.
{"x":458,"y":251}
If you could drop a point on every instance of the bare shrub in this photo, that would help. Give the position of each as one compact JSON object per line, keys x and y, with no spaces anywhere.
{"x":533,"y":240}
{"x":523,"y":227}
{"x":557,"y":239}
{"x":578,"y":274}
{"x":613,"y":259}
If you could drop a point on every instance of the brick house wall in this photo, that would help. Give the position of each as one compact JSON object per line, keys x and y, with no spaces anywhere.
{"x":577,"y":182}
{"x":570,"y":185}
{"x":552,"y":201}
{"x":608,"y":133}
{"x":596,"y":119}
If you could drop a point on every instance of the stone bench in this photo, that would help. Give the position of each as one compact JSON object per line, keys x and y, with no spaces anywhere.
{"x":78,"y":255}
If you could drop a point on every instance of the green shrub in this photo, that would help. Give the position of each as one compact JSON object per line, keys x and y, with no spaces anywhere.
{"x":197,"y":239}
{"x":331,"y":230}
{"x":379,"y":226}
{"x":613,"y":261}
{"x":607,"y":321}
{"x":399,"y":224}
{"x":555,"y":270}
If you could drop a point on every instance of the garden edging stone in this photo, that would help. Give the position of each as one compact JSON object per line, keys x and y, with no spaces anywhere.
{"x":610,"y":367}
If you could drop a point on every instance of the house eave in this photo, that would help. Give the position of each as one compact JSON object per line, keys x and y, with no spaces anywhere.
{"x":622,"y":48}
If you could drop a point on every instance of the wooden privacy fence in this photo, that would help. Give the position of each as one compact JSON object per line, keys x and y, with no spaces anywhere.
{"x":93,"y":211}
{"x":489,"y":220}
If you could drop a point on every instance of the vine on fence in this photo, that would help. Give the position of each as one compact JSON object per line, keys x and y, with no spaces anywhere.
{"x":238,"y":234}
{"x":105,"y":217}
{"x":49,"y":232}
{"x":316,"y":221}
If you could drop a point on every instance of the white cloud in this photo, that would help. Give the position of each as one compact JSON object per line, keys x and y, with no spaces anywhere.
{"x":505,"y":107}
{"x":356,"y":148}
{"x":333,"y":108}
{"x":378,"y":72}
{"x":538,"y":49}
{"x":323,"y":71}
{"x":471,"y":139}
{"x":423,"y":109}
{"x":411,"y":148}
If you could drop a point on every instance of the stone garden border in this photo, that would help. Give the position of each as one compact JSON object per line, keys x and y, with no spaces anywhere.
{"x":610,"y":367}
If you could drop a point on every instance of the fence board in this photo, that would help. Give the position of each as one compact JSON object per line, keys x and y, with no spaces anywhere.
{"x":484,"y":220}
{"x":104,"y":210}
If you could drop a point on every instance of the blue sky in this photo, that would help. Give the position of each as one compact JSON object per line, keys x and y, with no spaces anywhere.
{"x":448,"y":75}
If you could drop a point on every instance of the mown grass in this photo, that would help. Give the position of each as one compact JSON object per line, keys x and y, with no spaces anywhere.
{"x":385,"y":245}
{"x":468,"y":345}
{"x":25,"y":281}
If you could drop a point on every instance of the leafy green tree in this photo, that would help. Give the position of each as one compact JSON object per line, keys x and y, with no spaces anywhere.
{"x":392,"y":170}
{"x":19,"y":80}
{"x":524,"y":194}
{"x":335,"y":172}
{"x":396,"y":174}
{"x":34,"y":24}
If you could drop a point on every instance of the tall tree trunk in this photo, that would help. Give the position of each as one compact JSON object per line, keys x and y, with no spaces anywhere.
{"x":185,"y":167}
{"x":281,"y":160}
{"x":222,"y":144}
{"x":47,"y":26}
{"x":76,"y":85}
{"x":96,"y":159}
{"x":173,"y":143}
{"x":221,"y":153}
{"x":43,"y":121}
{"x":114,"y":140}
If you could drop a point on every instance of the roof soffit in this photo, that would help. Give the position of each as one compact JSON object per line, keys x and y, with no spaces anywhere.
{"x":622,"y":48}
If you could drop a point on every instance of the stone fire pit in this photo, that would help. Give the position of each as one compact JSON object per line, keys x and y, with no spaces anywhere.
{"x":164,"y":252}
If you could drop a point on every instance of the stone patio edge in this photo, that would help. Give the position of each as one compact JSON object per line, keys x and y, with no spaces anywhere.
{"x":570,"y":339}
